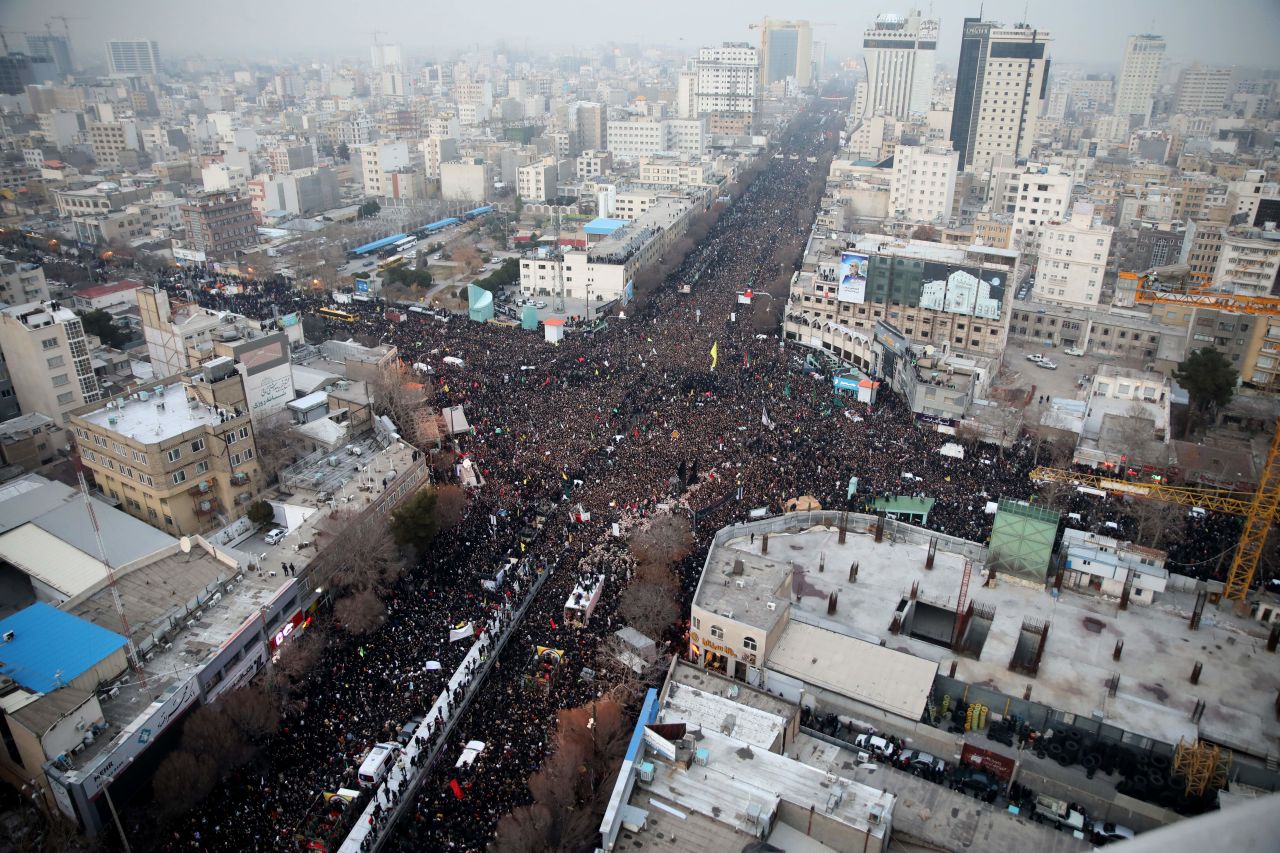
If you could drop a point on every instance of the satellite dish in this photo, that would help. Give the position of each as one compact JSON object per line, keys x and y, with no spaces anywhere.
{"x":185,"y":544}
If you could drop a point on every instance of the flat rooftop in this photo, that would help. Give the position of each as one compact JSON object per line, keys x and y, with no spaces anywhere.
{"x":1155,"y":697}
{"x":165,"y":414}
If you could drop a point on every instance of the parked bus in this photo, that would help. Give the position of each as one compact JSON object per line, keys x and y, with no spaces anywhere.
{"x":336,"y":314}
{"x":407,"y":242}
{"x":391,"y":262}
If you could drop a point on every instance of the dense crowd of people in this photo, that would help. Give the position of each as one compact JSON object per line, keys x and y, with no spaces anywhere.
{"x":610,"y":425}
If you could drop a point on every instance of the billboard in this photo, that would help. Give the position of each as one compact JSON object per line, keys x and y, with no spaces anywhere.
{"x":970,"y":291}
{"x":853,"y":277}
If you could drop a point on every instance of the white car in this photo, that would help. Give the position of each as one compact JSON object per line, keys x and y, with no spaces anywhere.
{"x":1076,"y":351}
{"x":876,"y":744}
{"x":1036,"y":357}
{"x":1047,"y":364}
{"x":274,"y":535}
{"x":539,"y":304}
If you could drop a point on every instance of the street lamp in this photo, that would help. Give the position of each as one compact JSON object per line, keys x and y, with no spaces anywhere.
{"x":106,"y":789}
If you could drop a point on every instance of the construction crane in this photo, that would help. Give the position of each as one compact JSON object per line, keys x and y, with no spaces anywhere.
{"x":1150,"y":291}
{"x":1258,"y":510}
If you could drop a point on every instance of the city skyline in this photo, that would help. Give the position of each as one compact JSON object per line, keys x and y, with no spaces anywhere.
{"x":325,"y":29}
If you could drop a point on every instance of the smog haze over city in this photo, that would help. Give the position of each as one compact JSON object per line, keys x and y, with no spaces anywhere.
{"x":1090,"y":32}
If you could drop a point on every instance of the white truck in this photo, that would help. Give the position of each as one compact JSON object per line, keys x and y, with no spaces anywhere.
{"x":1061,"y":814}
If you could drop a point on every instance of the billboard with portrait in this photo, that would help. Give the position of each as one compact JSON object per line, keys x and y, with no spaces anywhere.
{"x":970,"y":291}
{"x":852,"y":278}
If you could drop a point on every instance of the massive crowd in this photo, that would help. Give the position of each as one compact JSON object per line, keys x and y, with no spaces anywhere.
{"x":603,"y":422}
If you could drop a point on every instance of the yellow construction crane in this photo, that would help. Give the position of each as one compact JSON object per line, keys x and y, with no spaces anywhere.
{"x":1149,"y":291}
{"x":1258,"y":509}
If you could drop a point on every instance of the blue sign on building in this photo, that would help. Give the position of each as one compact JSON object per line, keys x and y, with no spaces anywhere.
{"x":362,"y":284}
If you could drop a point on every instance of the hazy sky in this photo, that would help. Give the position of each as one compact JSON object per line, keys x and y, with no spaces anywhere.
{"x":1088,"y":31}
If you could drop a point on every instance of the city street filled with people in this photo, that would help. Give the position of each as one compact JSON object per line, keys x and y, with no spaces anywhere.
{"x":682,"y":405}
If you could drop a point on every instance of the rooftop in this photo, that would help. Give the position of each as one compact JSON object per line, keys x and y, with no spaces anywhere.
{"x":160,"y":415}
{"x":51,"y":648}
{"x":37,"y":315}
{"x":1154,"y":698}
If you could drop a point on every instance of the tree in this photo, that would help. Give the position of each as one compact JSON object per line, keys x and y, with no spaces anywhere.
{"x":1209,"y":380}
{"x":404,"y":276}
{"x":666,"y":540}
{"x":277,"y":446}
{"x":210,"y":732}
{"x":361,"y":555}
{"x":344,"y":152}
{"x":181,"y":781}
{"x":649,"y":608}
{"x":451,"y":504}
{"x":414,"y":523}
{"x":397,"y":393}
{"x":260,"y":513}
{"x":359,"y":613}
{"x":369,"y":208}
{"x":252,"y":712}
{"x":926,"y":232}
{"x":101,"y":324}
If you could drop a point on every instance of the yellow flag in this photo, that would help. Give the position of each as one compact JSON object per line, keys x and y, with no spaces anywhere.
{"x":715,"y":354}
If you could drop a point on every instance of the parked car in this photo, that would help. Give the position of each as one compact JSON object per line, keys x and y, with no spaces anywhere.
{"x":977,"y":783}
{"x":1047,"y":364}
{"x":539,"y":304}
{"x":1035,"y":356}
{"x":1076,"y":351}
{"x":921,"y":763}
{"x":1105,"y":833}
{"x":877,"y":745}
{"x":406,"y":731}
{"x":274,"y":535}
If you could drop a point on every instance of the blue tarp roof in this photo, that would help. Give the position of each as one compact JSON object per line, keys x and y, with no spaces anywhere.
{"x":602,"y":225}
{"x":378,"y":244}
{"x":440,"y":223}
{"x":51,"y":648}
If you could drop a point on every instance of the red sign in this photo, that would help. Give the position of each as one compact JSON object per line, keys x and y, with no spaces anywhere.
{"x":296,"y":622}
{"x":993,"y":763}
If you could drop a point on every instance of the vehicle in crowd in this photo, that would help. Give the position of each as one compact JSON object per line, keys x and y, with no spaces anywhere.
{"x":921,"y":763}
{"x":876,"y":745}
{"x":976,"y":783}
{"x":377,"y":764}
{"x":470,"y":754}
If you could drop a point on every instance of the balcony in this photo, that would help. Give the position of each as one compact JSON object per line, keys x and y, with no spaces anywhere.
{"x":207,"y":505}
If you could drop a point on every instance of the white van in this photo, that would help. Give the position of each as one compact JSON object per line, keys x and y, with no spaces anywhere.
{"x":377,"y":764}
{"x":473,"y":750}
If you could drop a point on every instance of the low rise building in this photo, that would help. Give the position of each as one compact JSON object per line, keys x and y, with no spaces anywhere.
{"x":21,"y":282}
{"x":178,"y":454}
{"x":1109,"y":566}
{"x":47,"y":355}
{"x":219,"y":224}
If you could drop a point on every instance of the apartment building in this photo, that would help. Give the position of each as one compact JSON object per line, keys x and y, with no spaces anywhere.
{"x":1073,"y":258}
{"x":377,"y":159}
{"x":1202,"y":90}
{"x":130,"y":58}
{"x":47,"y":355}
{"x":178,"y":454}
{"x":465,"y":180}
{"x":593,"y":164}
{"x":924,"y":183}
{"x":108,"y":139}
{"x":219,"y":223}
{"x":1043,"y":195}
{"x":786,"y":52}
{"x":635,"y":138}
{"x":437,"y":150}
{"x":21,"y":282}
{"x":1139,"y":77}
{"x":726,"y":89}
{"x":1249,"y":262}
{"x":536,"y":182}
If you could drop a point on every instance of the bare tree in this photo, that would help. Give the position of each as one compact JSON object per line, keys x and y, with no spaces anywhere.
{"x":276,"y":443}
{"x":649,"y":608}
{"x":396,"y":392}
{"x":361,"y":556}
{"x":666,"y":540}
{"x":252,"y":711}
{"x":210,"y":732}
{"x":360,"y":612}
{"x":298,"y":658}
{"x":181,"y":781}
{"x":1159,"y":523}
{"x":451,"y":505}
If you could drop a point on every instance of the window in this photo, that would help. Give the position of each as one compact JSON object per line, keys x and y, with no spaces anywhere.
{"x":179,"y":477}
{"x":174,"y":455}
{"x":202,"y":466}
{"x":139,"y":456}
{"x":749,"y":643}
{"x":230,"y":438}
{"x":248,"y":454}
{"x":717,"y":632}
{"x":197,"y":445}
{"x":49,"y":343}
{"x":65,"y":398}
{"x":56,"y":361}
{"x":235,"y":458}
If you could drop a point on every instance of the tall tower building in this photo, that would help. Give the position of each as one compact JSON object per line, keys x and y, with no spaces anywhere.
{"x":46,"y":47}
{"x":1001,"y":85}
{"x":786,"y":50}
{"x":725,"y":91}
{"x":1139,"y":76}
{"x":127,"y":58}
{"x":898,"y":56}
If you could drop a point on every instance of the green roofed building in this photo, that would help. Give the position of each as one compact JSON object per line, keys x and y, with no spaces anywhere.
{"x":1022,"y":538}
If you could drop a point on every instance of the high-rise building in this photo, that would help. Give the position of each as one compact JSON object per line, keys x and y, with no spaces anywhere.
{"x":786,"y":50}
{"x":1073,"y":258}
{"x":924,"y":183}
{"x":1202,"y":90}
{"x":46,"y":47}
{"x":15,"y":73}
{"x":898,"y":57}
{"x":726,"y":92}
{"x":127,"y":58}
{"x":1001,"y":85}
{"x":1043,"y":195}
{"x":1139,"y":76}
{"x":385,"y":56}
